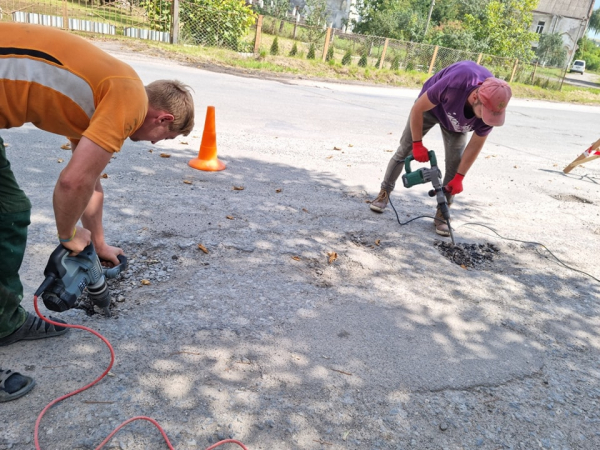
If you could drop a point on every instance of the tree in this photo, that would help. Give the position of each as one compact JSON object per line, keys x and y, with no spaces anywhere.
{"x":316,"y":13}
{"x":594,"y":23}
{"x":275,"y":47}
{"x":275,"y":8}
{"x":216,"y":22}
{"x":503,"y":25}
{"x":395,"y":19}
{"x":551,"y":50}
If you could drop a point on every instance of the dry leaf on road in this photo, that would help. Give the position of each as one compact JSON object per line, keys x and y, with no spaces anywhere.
{"x":187,"y":181}
{"x":378,"y":241}
{"x":165,"y":155}
{"x":145,"y":282}
{"x":104,"y":175}
{"x":296,"y":258}
{"x":238,"y":188}
{"x":66,"y":146}
{"x":278,"y":190}
{"x":203,"y":248}
{"x":229,"y":217}
{"x":332,"y":256}
{"x":59,"y":160}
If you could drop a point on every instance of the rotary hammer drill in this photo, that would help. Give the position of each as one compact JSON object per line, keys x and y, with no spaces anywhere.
{"x":68,"y":276}
{"x":425,"y":175}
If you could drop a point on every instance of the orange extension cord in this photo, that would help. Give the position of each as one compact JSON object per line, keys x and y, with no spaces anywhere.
{"x":112,"y":360}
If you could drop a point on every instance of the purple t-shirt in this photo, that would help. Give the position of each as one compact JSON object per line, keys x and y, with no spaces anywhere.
{"x":449,"y":89}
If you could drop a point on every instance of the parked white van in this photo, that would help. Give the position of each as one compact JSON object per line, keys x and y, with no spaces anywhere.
{"x":578,"y":66}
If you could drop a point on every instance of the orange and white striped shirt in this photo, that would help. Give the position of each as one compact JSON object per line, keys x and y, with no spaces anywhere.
{"x":63,"y":84}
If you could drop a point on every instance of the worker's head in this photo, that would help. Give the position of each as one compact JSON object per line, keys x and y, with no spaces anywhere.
{"x":170,"y":112}
{"x":493,"y":96}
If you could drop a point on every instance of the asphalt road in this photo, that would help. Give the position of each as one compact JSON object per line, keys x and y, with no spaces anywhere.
{"x":388,"y":346}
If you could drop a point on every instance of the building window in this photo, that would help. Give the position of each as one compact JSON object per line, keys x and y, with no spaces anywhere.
{"x":540,"y":27}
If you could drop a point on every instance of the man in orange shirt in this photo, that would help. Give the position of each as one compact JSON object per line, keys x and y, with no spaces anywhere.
{"x":65,"y":85}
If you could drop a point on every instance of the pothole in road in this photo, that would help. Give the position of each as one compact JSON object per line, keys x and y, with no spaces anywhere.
{"x":472,"y":256}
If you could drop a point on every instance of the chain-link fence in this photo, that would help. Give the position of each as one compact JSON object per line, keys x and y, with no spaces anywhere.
{"x":238,"y":28}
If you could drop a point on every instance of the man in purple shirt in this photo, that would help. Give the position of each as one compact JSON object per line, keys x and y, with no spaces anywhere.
{"x":462,"y":98}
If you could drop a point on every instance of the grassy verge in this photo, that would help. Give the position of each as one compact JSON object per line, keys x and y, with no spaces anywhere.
{"x":265,"y":65}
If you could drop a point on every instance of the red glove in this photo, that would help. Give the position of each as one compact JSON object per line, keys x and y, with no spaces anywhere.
{"x":455,"y":185}
{"x":420,"y":153}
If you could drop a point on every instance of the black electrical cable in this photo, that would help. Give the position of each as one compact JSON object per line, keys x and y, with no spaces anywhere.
{"x":501,"y":237}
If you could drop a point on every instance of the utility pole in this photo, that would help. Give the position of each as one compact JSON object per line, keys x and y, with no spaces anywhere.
{"x":428,"y":17}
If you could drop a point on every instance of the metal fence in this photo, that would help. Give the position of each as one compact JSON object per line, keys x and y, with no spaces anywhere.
{"x":186,"y":22}
{"x":383,"y":53}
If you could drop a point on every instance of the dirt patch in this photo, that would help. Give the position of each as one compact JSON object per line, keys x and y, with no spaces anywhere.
{"x":472,"y":256}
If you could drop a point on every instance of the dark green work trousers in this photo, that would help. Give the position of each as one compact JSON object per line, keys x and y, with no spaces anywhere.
{"x":15,"y":213}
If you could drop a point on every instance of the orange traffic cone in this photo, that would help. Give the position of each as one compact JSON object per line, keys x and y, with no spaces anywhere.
{"x":207,"y":156}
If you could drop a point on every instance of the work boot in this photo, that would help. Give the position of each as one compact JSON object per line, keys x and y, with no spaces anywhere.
{"x":381,"y":202}
{"x":441,"y":227}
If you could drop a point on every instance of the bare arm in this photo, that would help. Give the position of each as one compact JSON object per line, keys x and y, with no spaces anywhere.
{"x":416,"y":116}
{"x":471,"y":152}
{"x":92,"y":220}
{"x":74,"y":189}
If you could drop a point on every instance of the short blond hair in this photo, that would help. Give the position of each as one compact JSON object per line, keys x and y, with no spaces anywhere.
{"x":174,"y":97}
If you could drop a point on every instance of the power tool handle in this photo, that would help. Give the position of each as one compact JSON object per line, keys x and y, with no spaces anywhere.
{"x":407,"y":162}
{"x":114,"y":272}
{"x":432,"y":192}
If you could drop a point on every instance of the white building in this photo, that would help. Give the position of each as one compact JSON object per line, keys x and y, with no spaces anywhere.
{"x":567,"y":17}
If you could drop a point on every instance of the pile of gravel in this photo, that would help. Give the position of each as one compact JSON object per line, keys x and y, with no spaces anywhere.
{"x":468,"y":255}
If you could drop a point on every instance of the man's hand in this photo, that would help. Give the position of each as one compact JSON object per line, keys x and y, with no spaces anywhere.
{"x":420,"y":153}
{"x":455,"y":185}
{"x":108,"y":254}
{"x":81,"y":239}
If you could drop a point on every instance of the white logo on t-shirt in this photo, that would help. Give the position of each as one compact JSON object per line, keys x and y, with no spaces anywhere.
{"x":457,"y":126}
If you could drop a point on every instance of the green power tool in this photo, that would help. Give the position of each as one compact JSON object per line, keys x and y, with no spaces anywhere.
{"x":425,"y":175}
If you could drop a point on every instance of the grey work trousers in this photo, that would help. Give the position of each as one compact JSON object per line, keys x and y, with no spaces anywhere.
{"x":454,"y":146}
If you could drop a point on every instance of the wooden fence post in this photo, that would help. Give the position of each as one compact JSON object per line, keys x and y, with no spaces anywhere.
{"x":512,"y":75}
{"x":65,"y":16}
{"x":326,"y":46}
{"x":382,"y":57}
{"x":433,"y":58}
{"x":258,"y":33}
{"x":296,"y":24}
{"x":479,"y":58}
{"x":175,"y":22}
{"x":533,"y":73}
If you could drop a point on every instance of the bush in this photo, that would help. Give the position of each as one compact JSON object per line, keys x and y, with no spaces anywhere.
{"x":275,"y":47}
{"x":329,"y":56}
{"x":294,"y":50}
{"x":311,"y":51}
{"x":362,"y":62}
{"x":395,"y":65}
{"x":202,"y":22}
{"x":347,"y":58}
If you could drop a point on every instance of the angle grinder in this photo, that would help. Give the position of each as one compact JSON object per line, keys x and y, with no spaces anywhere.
{"x":67,"y":277}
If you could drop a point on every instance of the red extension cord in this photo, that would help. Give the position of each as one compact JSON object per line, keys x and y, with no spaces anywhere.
{"x":112,"y":360}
